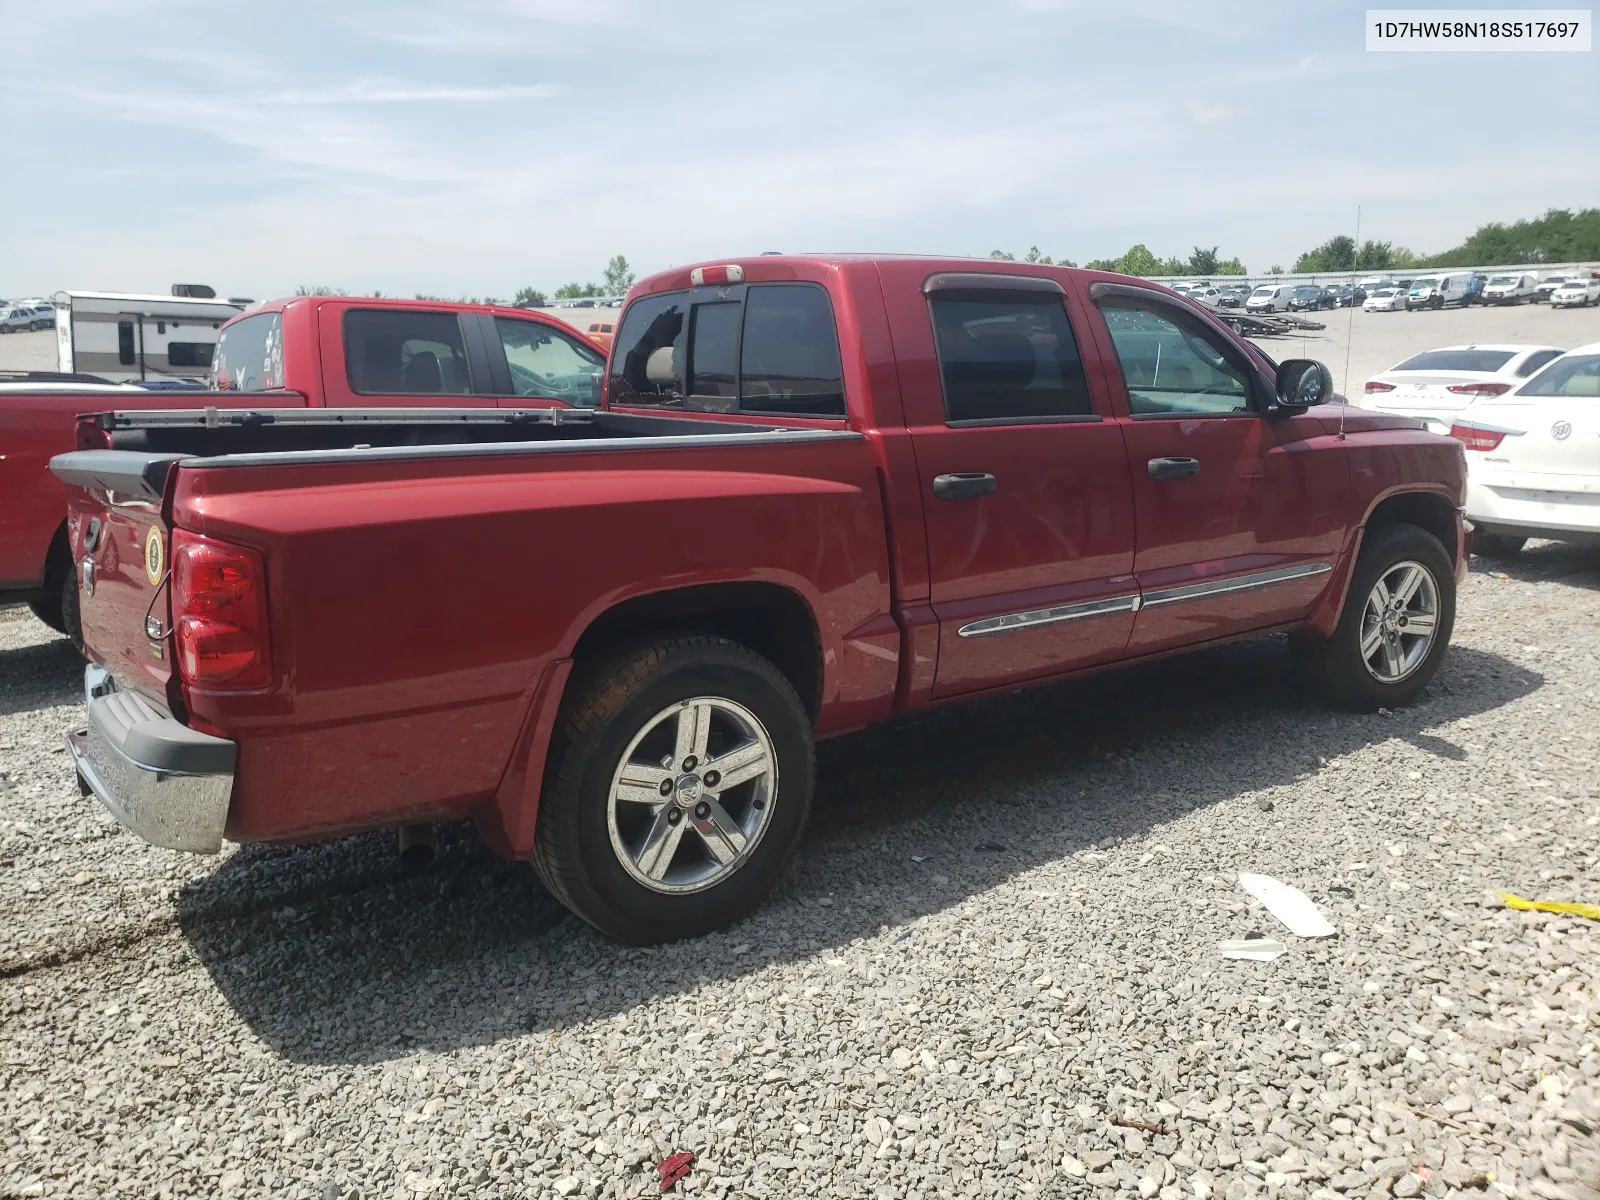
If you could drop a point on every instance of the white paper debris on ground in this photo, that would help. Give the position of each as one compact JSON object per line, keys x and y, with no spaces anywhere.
{"x":1257,"y":949}
{"x":1290,"y":905}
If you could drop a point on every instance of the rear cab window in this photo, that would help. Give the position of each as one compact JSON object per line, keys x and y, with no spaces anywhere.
{"x":768,"y":348}
{"x":248,"y":356}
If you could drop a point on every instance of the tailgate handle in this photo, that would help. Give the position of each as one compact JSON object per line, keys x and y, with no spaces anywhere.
{"x":963,"y":485}
{"x":1173,"y":468}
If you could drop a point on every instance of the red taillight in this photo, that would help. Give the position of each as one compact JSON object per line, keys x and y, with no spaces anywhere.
{"x":701,"y":276}
{"x":1474,"y":438}
{"x":1479,"y":389}
{"x":1377,"y":385}
{"x":219,"y":600}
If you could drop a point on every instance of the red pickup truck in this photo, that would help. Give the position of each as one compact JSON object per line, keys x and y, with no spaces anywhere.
{"x":822,"y":492}
{"x":315,"y":351}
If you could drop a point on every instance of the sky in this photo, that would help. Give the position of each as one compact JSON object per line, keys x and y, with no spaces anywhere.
{"x":474,"y":147}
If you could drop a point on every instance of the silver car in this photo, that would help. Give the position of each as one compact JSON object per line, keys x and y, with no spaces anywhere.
{"x":18,"y":320}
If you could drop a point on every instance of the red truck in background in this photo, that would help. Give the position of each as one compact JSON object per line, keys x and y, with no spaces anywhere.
{"x":822,"y":492}
{"x":300,"y":351}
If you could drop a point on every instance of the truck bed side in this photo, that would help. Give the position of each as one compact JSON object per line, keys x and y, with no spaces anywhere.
{"x":420,"y":600}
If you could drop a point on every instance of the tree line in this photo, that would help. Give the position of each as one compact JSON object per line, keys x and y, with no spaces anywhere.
{"x":1559,"y":236}
{"x":1138,"y":260}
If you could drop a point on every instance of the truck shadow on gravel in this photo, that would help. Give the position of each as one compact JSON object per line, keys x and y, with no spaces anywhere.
{"x":335,"y":954}
{"x":1571,"y":563}
{"x":43,"y":675}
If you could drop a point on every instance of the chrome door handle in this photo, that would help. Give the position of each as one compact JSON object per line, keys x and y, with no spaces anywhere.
{"x":1173,"y":468}
{"x":963,"y":485}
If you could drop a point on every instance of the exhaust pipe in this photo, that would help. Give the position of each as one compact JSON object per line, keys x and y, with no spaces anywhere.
{"x":416,"y":844}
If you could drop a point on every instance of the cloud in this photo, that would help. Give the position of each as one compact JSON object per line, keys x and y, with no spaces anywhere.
{"x":485,"y":144}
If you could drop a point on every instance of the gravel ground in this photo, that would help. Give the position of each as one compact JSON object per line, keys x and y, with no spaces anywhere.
{"x":1000,"y":940}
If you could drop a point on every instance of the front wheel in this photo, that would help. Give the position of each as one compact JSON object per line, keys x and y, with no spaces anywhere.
{"x":1395,"y":626}
{"x":679,"y":783}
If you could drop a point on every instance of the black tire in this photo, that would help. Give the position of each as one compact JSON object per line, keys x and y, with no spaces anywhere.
{"x":612,"y":700}
{"x":71,"y":619}
{"x":1335,"y":666}
{"x":1497,"y":545}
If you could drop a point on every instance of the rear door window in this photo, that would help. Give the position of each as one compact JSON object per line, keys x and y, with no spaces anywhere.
{"x":405,"y":352}
{"x":249,"y":356}
{"x":546,"y":362}
{"x":1008,"y":356}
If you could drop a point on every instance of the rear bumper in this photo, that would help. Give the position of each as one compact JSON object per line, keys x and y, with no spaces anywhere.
{"x":167,"y":783}
{"x":1570,"y":514}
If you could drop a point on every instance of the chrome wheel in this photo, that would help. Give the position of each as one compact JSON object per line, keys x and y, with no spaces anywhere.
{"x":692,"y":795}
{"x":1399,"y":621}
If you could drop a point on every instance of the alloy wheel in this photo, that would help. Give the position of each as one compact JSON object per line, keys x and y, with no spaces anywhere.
{"x":1399,"y":622}
{"x":692,"y":795}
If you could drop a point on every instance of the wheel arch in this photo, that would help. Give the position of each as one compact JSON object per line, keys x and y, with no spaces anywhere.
{"x":774,"y":620}
{"x":1429,"y":510}
{"x":769,"y":618}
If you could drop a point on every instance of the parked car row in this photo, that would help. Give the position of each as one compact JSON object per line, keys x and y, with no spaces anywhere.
{"x":21,"y":316}
{"x":1376,"y":293}
{"x":1529,"y":417}
{"x":1459,"y":289}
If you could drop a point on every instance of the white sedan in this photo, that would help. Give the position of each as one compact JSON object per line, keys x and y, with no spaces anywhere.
{"x":1533,"y":458}
{"x":1385,"y":299}
{"x":1576,"y":292}
{"x":1437,"y":384}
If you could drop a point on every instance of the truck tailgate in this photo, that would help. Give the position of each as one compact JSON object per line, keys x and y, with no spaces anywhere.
{"x":120,"y":543}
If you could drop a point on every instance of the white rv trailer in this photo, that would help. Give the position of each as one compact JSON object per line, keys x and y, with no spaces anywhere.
{"x":123,"y":337}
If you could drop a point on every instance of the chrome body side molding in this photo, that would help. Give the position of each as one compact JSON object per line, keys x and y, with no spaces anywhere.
{"x":1010,"y":622}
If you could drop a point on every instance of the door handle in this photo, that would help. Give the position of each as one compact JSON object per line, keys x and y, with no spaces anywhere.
{"x":1173,"y":468}
{"x":963,"y":485}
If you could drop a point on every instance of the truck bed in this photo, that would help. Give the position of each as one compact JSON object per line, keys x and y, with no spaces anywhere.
{"x":261,"y":434}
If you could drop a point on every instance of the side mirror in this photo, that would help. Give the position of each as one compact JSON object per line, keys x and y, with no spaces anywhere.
{"x":1303,"y":382}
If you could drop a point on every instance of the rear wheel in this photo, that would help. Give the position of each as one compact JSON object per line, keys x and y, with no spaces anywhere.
{"x":1497,"y":545}
{"x":1395,"y":627}
{"x":679,"y":783}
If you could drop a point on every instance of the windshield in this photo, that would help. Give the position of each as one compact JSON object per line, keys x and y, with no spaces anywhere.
{"x":1308,"y":291}
{"x":1418,"y":285}
{"x":1263,"y":291}
{"x":1503,"y":279}
{"x":1488,"y":361}
{"x":1387,"y":292}
{"x":1571,"y":375}
{"x":1557,"y":279}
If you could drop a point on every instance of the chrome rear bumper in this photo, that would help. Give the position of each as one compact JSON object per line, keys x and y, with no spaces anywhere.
{"x":166,"y":782}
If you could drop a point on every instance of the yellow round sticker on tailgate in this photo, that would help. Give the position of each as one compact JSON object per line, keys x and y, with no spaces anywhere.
{"x":155,"y":555}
